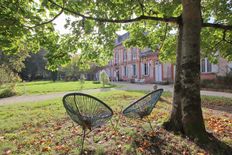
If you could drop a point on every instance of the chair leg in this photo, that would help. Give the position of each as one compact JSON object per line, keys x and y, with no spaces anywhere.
{"x":83,"y":139}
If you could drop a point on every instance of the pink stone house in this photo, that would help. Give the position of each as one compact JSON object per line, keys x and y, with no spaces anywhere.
{"x":136,"y":65}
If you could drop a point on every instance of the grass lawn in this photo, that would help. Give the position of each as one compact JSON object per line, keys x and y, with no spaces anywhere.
{"x":45,"y":128}
{"x":41,"y":87}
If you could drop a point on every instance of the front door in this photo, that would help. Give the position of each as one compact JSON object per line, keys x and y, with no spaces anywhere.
{"x":158,"y":71}
{"x":117,"y":74}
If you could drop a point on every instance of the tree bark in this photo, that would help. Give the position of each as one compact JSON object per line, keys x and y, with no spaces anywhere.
{"x":175,"y":121}
{"x":192,"y":118}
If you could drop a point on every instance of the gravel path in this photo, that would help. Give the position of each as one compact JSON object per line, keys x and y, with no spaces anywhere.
{"x":130,"y":86}
{"x":121,"y":86}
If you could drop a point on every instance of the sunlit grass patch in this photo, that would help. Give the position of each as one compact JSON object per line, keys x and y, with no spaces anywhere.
{"x":41,"y":87}
{"x":216,"y":100}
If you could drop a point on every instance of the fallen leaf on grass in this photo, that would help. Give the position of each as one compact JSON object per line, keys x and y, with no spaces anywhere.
{"x":7,"y":151}
{"x":62,"y":148}
{"x":37,"y":131}
{"x":57,"y":128}
{"x":199,"y":153}
{"x":1,"y":138}
{"x":185,"y":152}
{"x":140,"y":149}
{"x":46,"y":149}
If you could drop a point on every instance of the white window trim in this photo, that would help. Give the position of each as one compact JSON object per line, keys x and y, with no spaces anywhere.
{"x":124,"y":55}
{"x":134,"y":54}
{"x":206,"y":66}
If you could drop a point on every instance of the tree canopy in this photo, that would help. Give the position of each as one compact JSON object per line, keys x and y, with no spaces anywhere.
{"x":157,"y":18}
{"x":27,"y":25}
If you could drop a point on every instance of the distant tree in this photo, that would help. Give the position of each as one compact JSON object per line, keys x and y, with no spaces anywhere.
{"x":77,"y":66}
{"x":71,"y":70}
{"x":54,"y":76}
{"x":82,"y":81}
{"x":35,"y":66}
{"x":104,"y":78}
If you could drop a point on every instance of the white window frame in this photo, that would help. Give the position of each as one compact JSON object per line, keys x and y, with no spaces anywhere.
{"x":134,"y":54}
{"x":205,"y":66}
{"x":124,"y":55}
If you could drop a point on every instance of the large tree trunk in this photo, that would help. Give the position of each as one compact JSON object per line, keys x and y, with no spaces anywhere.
{"x":192,"y":119}
{"x":175,"y":121}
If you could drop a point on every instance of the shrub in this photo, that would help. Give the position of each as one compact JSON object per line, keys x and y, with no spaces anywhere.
{"x":104,"y":78}
{"x":96,"y":82}
{"x":7,"y":92}
{"x":132,"y":80}
{"x":82,"y":81}
{"x":221,"y":83}
{"x":228,"y":79}
{"x":8,"y":81}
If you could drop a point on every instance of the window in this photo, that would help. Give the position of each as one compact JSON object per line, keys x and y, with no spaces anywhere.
{"x":134,"y":69}
{"x":203,"y":65}
{"x":125,"y":71}
{"x":116,"y":57}
{"x":134,"y":53}
{"x":206,"y":66}
{"x":145,"y":69}
{"x":209,"y":66}
{"x":124,"y":55}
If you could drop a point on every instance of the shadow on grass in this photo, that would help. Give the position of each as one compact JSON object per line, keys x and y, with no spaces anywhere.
{"x":216,"y":147}
{"x":154,"y":143}
{"x":157,"y":143}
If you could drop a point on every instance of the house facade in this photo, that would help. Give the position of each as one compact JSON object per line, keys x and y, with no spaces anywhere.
{"x":210,"y":71}
{"x":136,"y":65}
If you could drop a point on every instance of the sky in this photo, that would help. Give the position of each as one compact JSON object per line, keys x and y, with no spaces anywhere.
{"x":60,"y":22}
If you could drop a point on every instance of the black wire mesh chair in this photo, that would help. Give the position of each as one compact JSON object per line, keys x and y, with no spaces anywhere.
{"x":87,"y":111}
{"x":143,"y":106}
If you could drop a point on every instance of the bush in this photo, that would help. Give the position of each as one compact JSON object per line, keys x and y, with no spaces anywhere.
{"x":8,"y":81}
{"x":228,"y":79}
{"x":7,"y":92}
{"x":132,"y":80}
{"x":96,"y":82}
{"x":104,"y":78}
{"x":82,"y":81}
{"x":220,"y":83}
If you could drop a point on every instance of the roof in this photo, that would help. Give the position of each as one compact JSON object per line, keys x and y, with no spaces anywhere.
{"x":121,"y":38}
{"x":147,"y":52}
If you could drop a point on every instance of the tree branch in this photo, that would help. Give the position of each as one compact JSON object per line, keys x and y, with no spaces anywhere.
{"x":141,"y":6}
{"x":139,"y":18}
{"x":219,"y":42}
{"x":217,"y":26}
{"x":49,"y":21}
